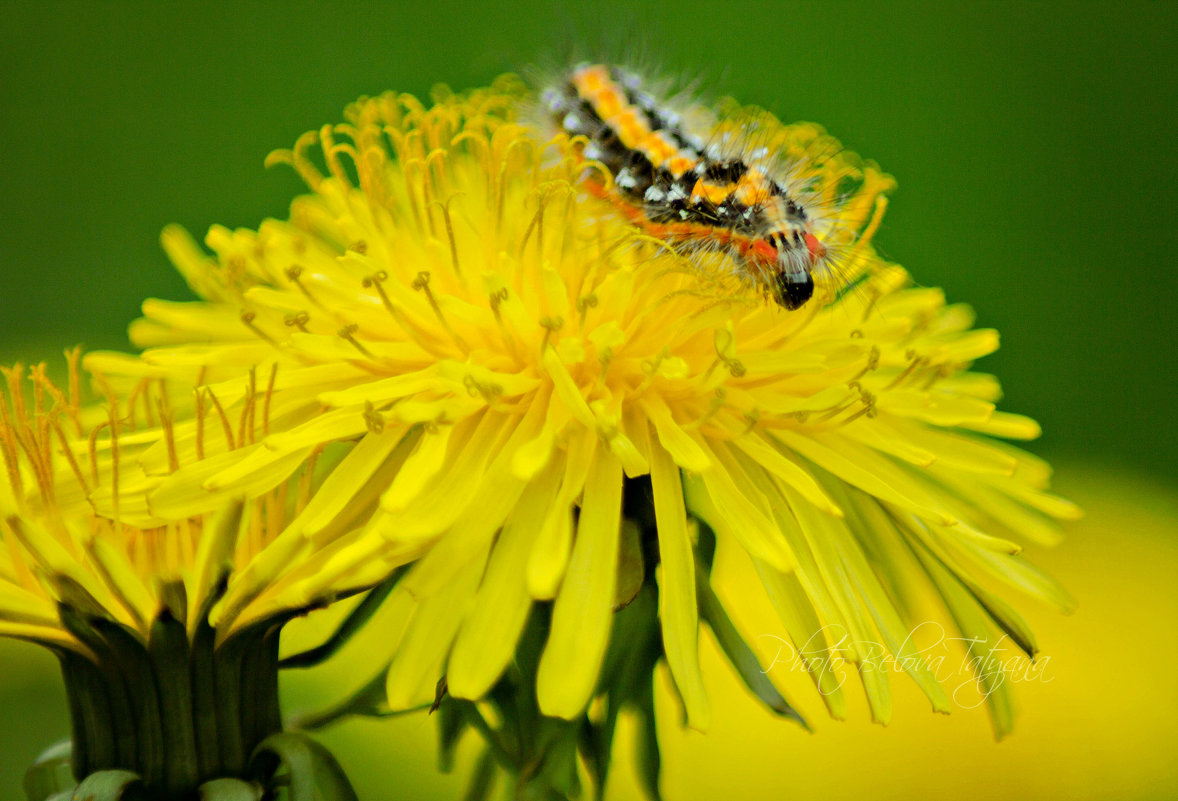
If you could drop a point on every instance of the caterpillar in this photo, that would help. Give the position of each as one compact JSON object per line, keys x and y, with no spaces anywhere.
{"x":683,"y":186}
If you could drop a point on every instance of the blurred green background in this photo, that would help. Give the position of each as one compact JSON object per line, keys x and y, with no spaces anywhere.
{"x":1033,"y":144}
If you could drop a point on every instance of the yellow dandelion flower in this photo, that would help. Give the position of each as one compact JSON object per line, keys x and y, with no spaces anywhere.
{"x":534,"y":405}
{"x":159,"y":698}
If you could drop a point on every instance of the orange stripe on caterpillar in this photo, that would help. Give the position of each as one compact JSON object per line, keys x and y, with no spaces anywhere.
{"x":679,"y":185}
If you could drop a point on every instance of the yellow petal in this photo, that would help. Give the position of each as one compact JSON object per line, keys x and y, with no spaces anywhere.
{"x":844,"y":567}
{"x":343,"y":483}
{"x":769,"y":457}
{"x":486,"y":642}
{"x":870,"y":472}
{"x":583,"y":612}
{"x":683,"y":449}
{"x":1006,"y":425}
{"x":550,"y":554}
{"x":747,"y":510}
{"x":678,"y":608}
{"x":477,"y":524}
{"x":422,"y":466}
{"x":420,"y":661}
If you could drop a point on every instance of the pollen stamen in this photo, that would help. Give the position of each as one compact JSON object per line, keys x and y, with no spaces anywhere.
{"x":248,"y":317}
{"x":68,"y":453}
{"x":543,"y":193}
{"x":225,"y":424}
{"x":8,"y":448}
{"x":838,"y":408}
{"x":936,"y":374}
{"x":59,"y":401}
{"x":724,"y":341}
{"x":15,"y":378}
{"x":293,"y":274}
{"x":868,"y":401}
{"x":604,"y":357}
{"x":200,"y":421}
{"x":489,"y":391}
{"x":331,"y":155}
{"x":245,"y":422}
{"x":915,"y":363}
{"x":132,"y":401}
{"x":304,"y":493}
{"x":348,"y":332}
{"x":41,"y":435}
{"x":165,"y":413}
{"x":374,"y":281}
{"x":650,"y":370}
{"x":421,"y":284}
{"x":872,"y":363}
{"x":426,"y":341}
{"x":735,"y":366}
{"x":881,"y":205}
{"x":584,"y":304}
{"x":495,"y":300}
{"x":535,"y":222}
{"x":432,"y":184}
{"x":113,"y":418}
{"x":373,"y":419}
{"x":298,"y":320}
{"x":297,"y":158}
{"x":715,"y":404}
{"x":92,"y":442}
{"x":409,"y":170}
{"x":550,"y":325}
{"x":425,"y":169}
{"x":450,"y":233}
{"x":751,"y":419}
{"x":436,"y":162}
{"x":148,"y":406}
{"x":482,"y":154}
{"x":266,"y":401}
{"x":504,"y":166}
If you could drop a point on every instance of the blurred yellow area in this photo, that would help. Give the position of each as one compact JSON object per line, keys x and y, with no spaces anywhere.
{"x":1096,"y":715}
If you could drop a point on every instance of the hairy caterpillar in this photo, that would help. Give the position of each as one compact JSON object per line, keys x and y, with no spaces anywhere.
{"x":679,"y":183}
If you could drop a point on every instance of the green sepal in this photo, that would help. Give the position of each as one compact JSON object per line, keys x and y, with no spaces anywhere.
{"x":228,"y":663}
{"x":100,"y":707}
{"x":631,"y":565}
{"x":505,"y":748}
{"x":174,"y":598}
{"x":705,"y":545}
{"x":260,"y":713}
{"x":748,"y":667}
{"x":647,"y":746}
{"x":52,"y":773}
{"x":558,"y":771}
{"x":136,"y":677}
{"x":204,"y":702}
{"x":451,"y":725}
{"x":169,"y":654}
{"x":311,"y":772}
{"x":111,"y":785}
{"x":482,"y":783}
{"x":230,"y":790}
{"x":73,"y":595}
